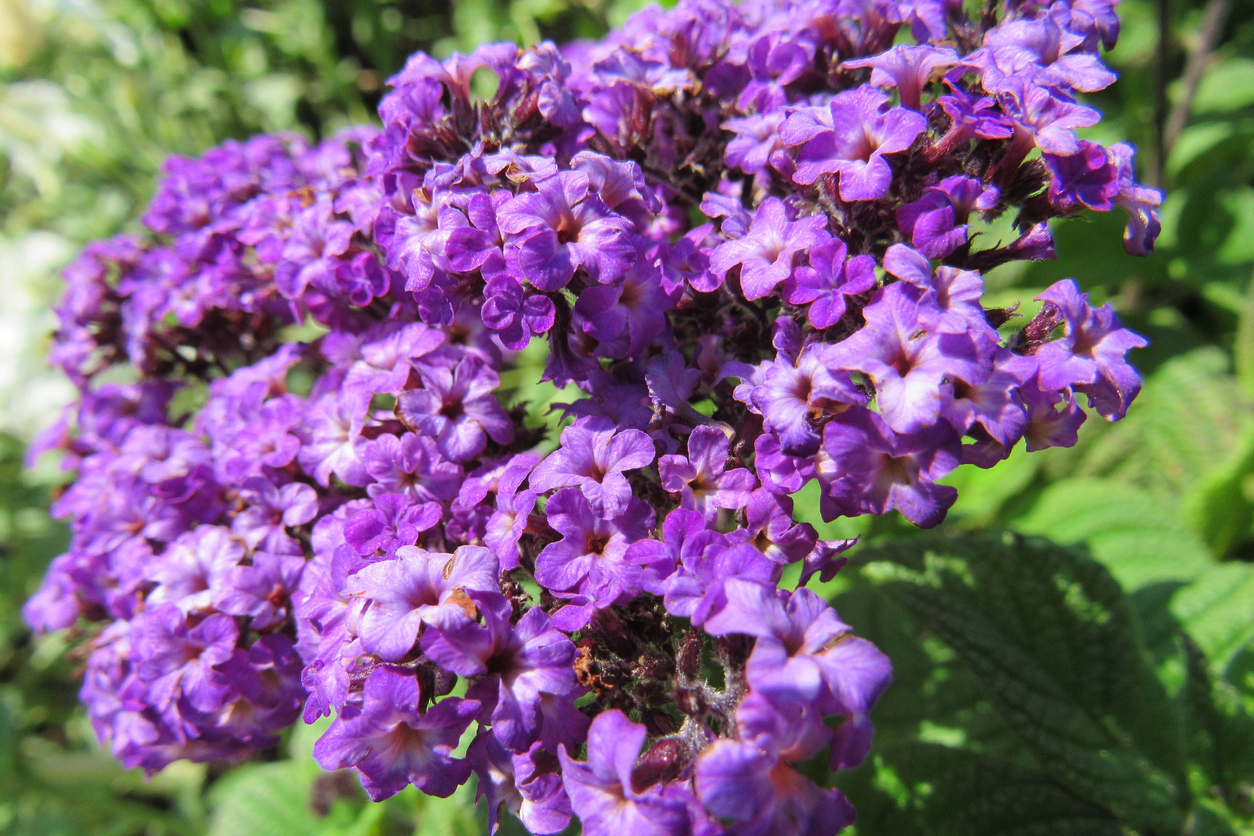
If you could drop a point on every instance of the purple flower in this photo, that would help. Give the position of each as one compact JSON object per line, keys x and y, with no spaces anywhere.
{"x":524,"y":660}
{"x":593,"y":457}
{"x":591,"y":558}
{"x":700,"y":478}
{"x":333,"y":438}
{"x":803,"y":652}
{"x":906,"y":360}
{"x":271,"y":511}
{"x":1140,"y":203}
{"x":850,"y":137}
{"x":1089,"y":357}
{"x":533,"y":794}
{"x":601,"y":790}
{"x":395,"y":597}
{"x":176,"y":661}
{"x":757,"y":143}
{"x":908,"y":68}
{"x":561,"y":227}
{"x":193,"y":567}
{"x":1086,"y":178}
{"x":515,"y":317}
{"x":750,"y":781}
{"x":262,"y":590}
{"x":392,"y":745}
{"x":871,"y":470}
{"x":955,"y":293}
{"x":765,"y":254}
{"x":828,"y":280}
{"x":410,"y":464}
{"x":790,"y":396}
{"x":457,"y":406}
{"x":936,"y":223}
{"x":394,"y":521}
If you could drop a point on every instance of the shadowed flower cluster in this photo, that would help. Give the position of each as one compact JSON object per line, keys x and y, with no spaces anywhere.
{"x":749,"y":236}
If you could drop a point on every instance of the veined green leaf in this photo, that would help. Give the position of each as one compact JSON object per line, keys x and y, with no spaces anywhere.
{"x":1050,"y":637}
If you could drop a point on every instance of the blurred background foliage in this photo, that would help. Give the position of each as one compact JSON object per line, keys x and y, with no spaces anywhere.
{"x":95,"y":93}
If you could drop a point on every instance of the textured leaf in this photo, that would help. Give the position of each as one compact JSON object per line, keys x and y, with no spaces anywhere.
{"x":1220,"y":733}
{"x":269,"y":799}
{"x":975,"y":795}
{"x":1049,"y":635}
{"x":1217,"y":611}
{"x":1134,"y":533}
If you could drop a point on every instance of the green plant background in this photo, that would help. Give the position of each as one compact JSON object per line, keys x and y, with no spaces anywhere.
{"x":1100,"y":680}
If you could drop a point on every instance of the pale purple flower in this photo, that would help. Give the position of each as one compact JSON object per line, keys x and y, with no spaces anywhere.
{"x":457,"y":407}
{"x":591,"y":558}
{"x":601,"y":791}
{"x":395,"y":597}
{"x":410,"y":464}
{"x":908,"y":68}
{"x":828,"y":280}
{"x":936,"y":223}
{"x":850,"y":137}
{"x":766,"y":252}
{"x":593,"y":457}
{"x":906,"y":360}
{"x":564,"y":226}
{"x":392,"y":745}
{"x":701,"y":478}
{"x":271,"y":511}
{"x":1089,"y":357}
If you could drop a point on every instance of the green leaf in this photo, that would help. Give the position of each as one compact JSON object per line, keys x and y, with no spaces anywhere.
{"x":969,"y":794}
{"x":1220,"y":733}
{"x":1217,"y":611}
{"x":1133,"y":532}
{"x":271,"y":799}
{"x":1050,"y":637}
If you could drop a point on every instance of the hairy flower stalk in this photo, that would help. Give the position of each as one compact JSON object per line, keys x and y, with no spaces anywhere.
{"x":747,"y":234}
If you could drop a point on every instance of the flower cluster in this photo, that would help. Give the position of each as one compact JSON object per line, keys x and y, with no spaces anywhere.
{"x":749,"y":235}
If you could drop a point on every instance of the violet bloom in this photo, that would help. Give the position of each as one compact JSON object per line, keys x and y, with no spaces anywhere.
{"x":627,"y":317}
{"x":936,"y":223}
{"x":908,"y":68}
{"x":410,"y":464}
{"x":395,"y":597}
{"x":1053,"y":417}
{"x":391,"y":745}
{"x":310,"y":255}
{"x":523,"y":660}
{"x":906,"y":360}
{"x":757,"y":142}
{"x":750,"y":781}
{"x":701,"y":478}
{"x":954,"y":294}
{"x":791,"y":396}
{"x":394,"y":521}
{"x":869,"y":469}
{"x":457,"y":407}
{"x":1042,"y":116}
{"x":993,"y":404}
{"x":803,"y":652}
{"x":561,"y":227}
{"x":1086,"y":179}
{"x":514,"y":316}
{"x":193,"y":568}
{"x":591,"y":558}
{"x":1042,"y":49}
{"x":602,"y":793}
{"x":262,"y":590}
{"x":177,"y":661}
{"x":271,"y":511}
{"x":772,"y":530}
{"x":593,"y":457}
{"x":850,"y":137}
{"x":766,"y":253}
{"x":828,"y":280}
{"x":333,"y":437}
{"x":534,"y":795}
{"x":1139,"y":202}
{"x":1089,"y":357}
